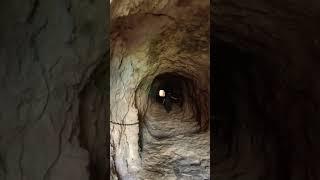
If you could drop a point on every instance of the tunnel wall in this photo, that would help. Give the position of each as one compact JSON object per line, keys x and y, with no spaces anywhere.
{"x":149,"y":38}
{"x":48,"y":51}
{"x":276,"y":104}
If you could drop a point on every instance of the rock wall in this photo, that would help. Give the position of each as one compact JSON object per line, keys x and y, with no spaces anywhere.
{"x":54,"y":70}
{"x":151,"y":39}
{"x":266,"y":100}
{"x":49,"y":51}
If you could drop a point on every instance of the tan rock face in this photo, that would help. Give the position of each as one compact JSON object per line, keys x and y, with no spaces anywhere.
{"x":156,"y":45}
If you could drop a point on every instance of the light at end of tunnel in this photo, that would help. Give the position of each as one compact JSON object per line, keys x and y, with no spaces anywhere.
{"x":162,"y":93}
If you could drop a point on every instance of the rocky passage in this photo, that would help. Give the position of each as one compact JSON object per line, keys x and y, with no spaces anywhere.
{"x":54,"y":89}
{"x":159,"y":44}
{"x":172,"y":145}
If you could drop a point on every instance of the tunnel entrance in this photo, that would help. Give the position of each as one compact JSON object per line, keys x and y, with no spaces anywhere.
{"x":179,"y":115}
{"x":177,"y":131}
{"x":175,"y":88}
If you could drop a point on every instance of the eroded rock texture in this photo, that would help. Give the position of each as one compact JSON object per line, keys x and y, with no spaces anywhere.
{"x":49,"y":53}
{"x":266,"y":90}
{"x":154,"y":45}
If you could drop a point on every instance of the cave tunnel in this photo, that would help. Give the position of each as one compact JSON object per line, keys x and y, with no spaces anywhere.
{"x":240,"y":127}
{"x":184,"y":111}
{"x":263,"y":105}
{"x":172,"y":85}
{"x":164,"y":105}
{"x":74,"y":105}
{"x":171,"y":128}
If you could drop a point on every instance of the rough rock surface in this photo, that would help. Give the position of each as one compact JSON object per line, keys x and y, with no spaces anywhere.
{"x":266,"y":89}
{"x":48,"y":52}
{"x":150,"y":39}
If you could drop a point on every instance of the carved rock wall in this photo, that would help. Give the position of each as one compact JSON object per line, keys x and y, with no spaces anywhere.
{"x":150,"y":39}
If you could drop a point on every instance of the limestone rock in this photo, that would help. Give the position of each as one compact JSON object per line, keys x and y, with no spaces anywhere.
{"x":151,"y":43}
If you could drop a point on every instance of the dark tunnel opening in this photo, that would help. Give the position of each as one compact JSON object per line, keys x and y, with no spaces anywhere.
{"x":174,"y":87}
{"x":186,"y":115}
{"x":184,"y":112}
{"x":177,"y":131}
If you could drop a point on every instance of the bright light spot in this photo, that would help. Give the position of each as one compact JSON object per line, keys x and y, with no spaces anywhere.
{"x":162,"y":93}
